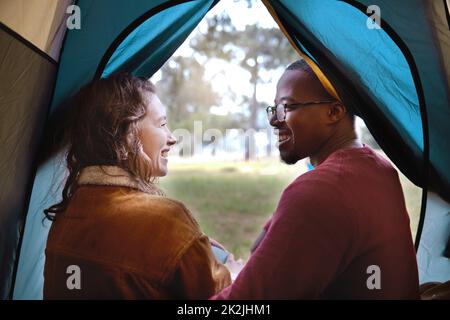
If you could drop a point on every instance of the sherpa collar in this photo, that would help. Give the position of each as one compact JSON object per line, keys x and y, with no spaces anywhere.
{"x":112,"y":176}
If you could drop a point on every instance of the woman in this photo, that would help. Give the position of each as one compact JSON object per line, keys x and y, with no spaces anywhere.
{"x":115,"y":235}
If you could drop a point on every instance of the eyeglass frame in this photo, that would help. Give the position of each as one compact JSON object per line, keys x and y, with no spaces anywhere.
{"x":273,"y":109}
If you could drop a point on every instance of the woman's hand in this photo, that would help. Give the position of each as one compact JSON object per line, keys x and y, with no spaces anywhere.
{"x":217,"y":244}
{"x":234,"y":266}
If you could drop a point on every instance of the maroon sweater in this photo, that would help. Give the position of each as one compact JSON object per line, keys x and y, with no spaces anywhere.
{"x":331,"y":226}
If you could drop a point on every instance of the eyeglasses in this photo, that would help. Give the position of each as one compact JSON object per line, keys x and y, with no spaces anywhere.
{"x":280,"y":109}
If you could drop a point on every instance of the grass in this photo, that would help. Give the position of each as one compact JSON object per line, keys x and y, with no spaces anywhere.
{"x":232,"y":200}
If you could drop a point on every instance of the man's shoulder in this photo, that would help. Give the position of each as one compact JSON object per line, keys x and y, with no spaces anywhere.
{"x":329,"y":184}
{"x":323,"y":179}
{"x":314,"y":188}
{"x":341,"y":180}
{"x":345,"y":167}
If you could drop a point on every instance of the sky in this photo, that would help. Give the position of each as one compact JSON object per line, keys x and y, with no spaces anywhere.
{"x":226,"y":76}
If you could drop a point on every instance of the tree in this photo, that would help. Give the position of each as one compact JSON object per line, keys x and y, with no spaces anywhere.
{"x":184,"y":91}
{"x":188,"y":97}
{"x":254,"y":49}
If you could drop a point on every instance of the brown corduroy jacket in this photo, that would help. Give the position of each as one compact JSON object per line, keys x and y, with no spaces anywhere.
{"x":116,"y":242}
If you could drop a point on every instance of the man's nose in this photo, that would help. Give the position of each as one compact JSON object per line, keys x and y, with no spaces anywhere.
{"x":274,"y":121}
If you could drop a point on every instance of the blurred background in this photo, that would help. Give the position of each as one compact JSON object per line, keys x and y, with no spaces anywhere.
{"x":226,"y":166}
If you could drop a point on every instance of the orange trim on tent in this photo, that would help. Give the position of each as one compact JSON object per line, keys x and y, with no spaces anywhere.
{"x":320,"y":75}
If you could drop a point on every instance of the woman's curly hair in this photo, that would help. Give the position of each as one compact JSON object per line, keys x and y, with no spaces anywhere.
{"x":104,"y":131}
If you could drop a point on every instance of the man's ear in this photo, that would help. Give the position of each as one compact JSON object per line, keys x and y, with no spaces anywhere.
{"x":336,"y":112}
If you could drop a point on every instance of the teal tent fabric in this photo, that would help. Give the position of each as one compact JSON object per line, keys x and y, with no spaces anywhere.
{"x":103,"y":21}
{"x":433,"y":265}
{"x":144,"y":50}
{"x":154,"y":36}
{"x":427,"y":37}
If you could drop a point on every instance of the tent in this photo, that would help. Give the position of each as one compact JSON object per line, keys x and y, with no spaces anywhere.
{"x":395,"y":73}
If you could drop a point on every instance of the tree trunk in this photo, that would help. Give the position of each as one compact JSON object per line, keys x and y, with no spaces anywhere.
{"x":250,"y":146}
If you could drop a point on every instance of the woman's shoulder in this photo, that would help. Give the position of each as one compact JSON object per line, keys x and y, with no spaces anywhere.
{"x":142,"y":233}
{"x":164,"y":209}
{"x":121,"y":206}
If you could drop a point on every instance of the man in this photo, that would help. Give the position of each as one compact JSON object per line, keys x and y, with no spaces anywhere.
{"x":340,"y":231}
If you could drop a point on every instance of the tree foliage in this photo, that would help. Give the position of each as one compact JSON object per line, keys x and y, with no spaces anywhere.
{"x":189,"y":96}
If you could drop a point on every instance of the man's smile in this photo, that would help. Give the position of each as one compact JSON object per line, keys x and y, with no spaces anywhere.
{"x":283,"y":136}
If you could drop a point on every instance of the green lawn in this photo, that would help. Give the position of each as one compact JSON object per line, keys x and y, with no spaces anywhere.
{"x":232,"y":200}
